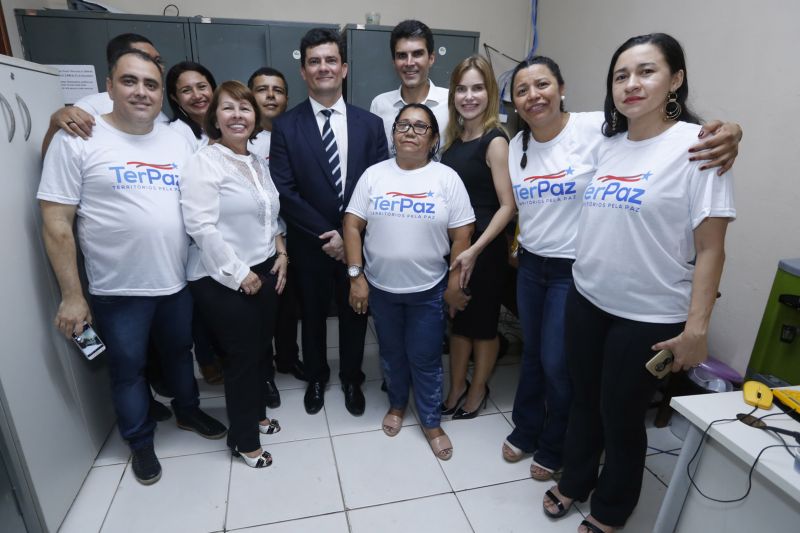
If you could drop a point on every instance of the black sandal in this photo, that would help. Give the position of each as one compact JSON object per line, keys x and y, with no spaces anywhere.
{"x":591,"y":528}
{"x":562,"y":509}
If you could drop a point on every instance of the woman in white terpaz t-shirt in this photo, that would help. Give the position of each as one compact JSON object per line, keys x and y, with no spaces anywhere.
{"x":649,"y":259}
{"x":409,"y":208}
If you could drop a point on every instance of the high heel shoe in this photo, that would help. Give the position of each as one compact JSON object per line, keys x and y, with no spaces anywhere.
{"x":447,"y":411}
{"x":261,"y":461}
{"x":461,"y":414}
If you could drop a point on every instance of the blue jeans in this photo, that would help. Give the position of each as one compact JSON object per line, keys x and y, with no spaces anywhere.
{"x":125,"y":324}
{"x":410,"y":330}
{"x":542,"y":402}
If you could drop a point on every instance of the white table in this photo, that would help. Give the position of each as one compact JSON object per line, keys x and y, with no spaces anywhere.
{"x":721,"y":468}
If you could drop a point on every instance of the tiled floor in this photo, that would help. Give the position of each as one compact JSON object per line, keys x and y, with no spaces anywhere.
{"x":335,"y":473}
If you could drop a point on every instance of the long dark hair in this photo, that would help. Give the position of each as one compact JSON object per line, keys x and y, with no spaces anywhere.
{"x":172,"y":88}
{"x":553,"y":67}
{"x":673,"y":54}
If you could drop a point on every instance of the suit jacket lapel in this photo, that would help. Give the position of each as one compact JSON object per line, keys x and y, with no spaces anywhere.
{"x":308,"y":126}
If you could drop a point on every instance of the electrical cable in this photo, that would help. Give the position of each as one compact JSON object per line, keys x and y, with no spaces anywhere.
{"x":177,"y":10}
{"x":752,"y":467}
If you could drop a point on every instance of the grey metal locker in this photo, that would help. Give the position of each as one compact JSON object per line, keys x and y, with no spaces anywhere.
{"x":284,"y":45}
{"x":230,"y":49}
{"x":371,"y":70}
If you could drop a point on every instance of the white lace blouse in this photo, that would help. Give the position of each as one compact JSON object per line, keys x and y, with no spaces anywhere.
{"x":230,"y":210}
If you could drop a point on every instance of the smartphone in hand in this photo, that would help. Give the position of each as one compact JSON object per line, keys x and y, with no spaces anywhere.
{"x":88,"y":342}
{"x":661,"y":364}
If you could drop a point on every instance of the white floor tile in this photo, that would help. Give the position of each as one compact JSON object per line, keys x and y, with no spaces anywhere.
{"x":477,"y":457}
{"x":171,"y":441}
{"x":342,"y":422}
{"x":661,"y":465}
{"x":371,"y":364}
{"x":206,"y":390}
{"x":90,"y":506}
{"x":503,"y":386}
{"x":662,"y":440}
{"x":514,"y":508}
{"x":440,"y":513}
{"x":377,"y":469}
{"x":301,"y":482}
{"x":190,"y":496}
{"x":114,"y":451}
{"x":329,"y":523}
{"x":296,"y":424}
{"x":288,"y":381}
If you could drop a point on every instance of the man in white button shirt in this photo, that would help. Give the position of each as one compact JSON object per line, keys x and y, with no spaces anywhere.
{"x":411,"y":44}
{"x":319,"y":150}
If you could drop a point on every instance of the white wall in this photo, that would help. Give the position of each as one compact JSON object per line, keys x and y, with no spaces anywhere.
{"x":505,"y":25}
{"x":742,"y":66}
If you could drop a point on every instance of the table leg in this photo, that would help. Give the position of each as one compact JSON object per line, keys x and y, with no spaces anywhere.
{"x":679,"y":485}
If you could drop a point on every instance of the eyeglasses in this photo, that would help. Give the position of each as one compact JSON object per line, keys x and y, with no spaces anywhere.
{"x":420,"y":128}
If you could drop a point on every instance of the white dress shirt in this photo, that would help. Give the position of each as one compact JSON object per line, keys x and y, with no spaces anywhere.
{"x":339,"y":127}
{"x":387,"y":105}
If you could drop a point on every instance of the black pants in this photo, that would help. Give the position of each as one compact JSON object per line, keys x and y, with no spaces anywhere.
{"x":316,"y":287}
{"x":242,"y":325}
{"x":611,"y":393}
{"x":286,"y":350}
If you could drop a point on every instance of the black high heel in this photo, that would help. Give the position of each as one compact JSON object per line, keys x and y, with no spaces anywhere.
{"x":449,"y":411}
{"x":461,"y":414}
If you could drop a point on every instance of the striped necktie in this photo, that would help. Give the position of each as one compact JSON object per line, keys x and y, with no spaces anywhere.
{"x":332,"y":151}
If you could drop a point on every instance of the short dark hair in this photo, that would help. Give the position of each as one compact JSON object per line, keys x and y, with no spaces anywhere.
{"x":136,"y":52}
{"x":267,"y":71}
{"x":411,"y":29}
{"x":317,"y":36}
{"x":172,"y":91}
{"x":122,"y":42}
{"x":676,"y":60}
{"x":238,"y":91}
{"x":431,"y":118}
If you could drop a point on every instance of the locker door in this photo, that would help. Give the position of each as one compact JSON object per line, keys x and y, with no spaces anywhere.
{"x":231,"y":51}
{"x":371,"y":69}
{"x":66,"y":41}
{"x":450,"y":50}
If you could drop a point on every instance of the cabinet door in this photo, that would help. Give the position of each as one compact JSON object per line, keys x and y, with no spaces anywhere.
{"x":371,"y":71}
{"x":231,"y":51}
{"x":450,"y":50}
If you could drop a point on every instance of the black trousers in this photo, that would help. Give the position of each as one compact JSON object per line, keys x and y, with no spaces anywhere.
{"x":612,"y":390}
{"x":286,"y":350}
{"x":316,"y":287}
{"x":242,"y":325}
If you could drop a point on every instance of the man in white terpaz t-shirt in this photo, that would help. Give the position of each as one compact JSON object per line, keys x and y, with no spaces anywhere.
{"x":411,"y":44}
{"x":78,"y":119}
{"x":123,"y":185}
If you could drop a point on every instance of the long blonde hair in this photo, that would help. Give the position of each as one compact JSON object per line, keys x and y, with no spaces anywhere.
{"x":491,"y":118}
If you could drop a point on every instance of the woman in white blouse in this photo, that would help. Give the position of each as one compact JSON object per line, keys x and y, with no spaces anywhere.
{"x":189,"y":88}
{"x":237,"y":260}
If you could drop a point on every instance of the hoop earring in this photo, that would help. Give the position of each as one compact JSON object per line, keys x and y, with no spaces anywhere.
{"x":460,"y":120}
{"x":672,"y":108}
{"x":614,"y":120}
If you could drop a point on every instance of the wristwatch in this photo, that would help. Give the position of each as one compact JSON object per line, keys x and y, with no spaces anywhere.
{"x":353,"y":271}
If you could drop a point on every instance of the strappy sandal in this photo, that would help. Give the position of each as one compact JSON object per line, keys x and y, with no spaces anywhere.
{"x":442,"y":447}
{"x":562,"y":509}
{"x":392,"y":424}
{"x":591,"y":528}
{"x":273,"y":427}
{"x":540,"y":472}
{"x":511,"y":453}
{"x":262,"y":461}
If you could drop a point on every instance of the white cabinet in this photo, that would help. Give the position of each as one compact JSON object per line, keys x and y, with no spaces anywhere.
{"x":55,"y":407}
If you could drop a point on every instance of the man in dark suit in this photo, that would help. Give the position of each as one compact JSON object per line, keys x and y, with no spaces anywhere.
{"x":319,"y":150}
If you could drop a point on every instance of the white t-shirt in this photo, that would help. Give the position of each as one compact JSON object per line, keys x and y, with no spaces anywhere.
{"x":408,"y":213}
{"x":230,"y":208}
{"x":549,"y":190}
{"x":183,"y":129}
{"x":126,"y":188}
{"x":260,"y":145}
{"x":102,"y":104}
{"x":635,"y":237}
{"x":387,"y":105}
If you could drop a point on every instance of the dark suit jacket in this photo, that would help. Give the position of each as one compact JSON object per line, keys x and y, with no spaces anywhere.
{"x":300,"y":170}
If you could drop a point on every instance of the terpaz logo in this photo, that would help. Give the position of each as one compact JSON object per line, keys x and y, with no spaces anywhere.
{"x":138,"y":174}
{"x":546,"y":188}
{"x":617,"y":191}
{"x":406,"y":205}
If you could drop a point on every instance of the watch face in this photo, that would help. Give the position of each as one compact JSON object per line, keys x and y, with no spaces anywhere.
{"x":354,"y":271}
